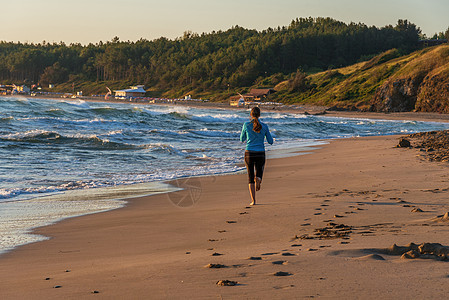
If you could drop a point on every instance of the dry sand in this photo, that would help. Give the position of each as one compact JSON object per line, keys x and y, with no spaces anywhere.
{"x":155,"y":249}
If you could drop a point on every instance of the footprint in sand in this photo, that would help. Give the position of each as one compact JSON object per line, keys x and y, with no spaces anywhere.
{"x":215,"y":266}
{"x":283,"y":287}
{"x":255,"y":258}
{"x":317,"y":214}
{"x":279,"y":262}
{"x":216,"y":254}
{"x":280,"y":273}
{"x":306,"y":224}
{"x":221,"y":231}
{"x":270,"y":253}
{"x":243,"y":213}
{"x":370,"y":257}
{"x":288,"y":254}
{"x":231,"y":222}
{"x":296,"y":245}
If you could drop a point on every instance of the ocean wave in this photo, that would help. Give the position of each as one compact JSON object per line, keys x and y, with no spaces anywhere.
{"x":81,"y":140}
{"x":6,"y":119}
{"x":170,"y":132}
{"x":77,"y":103}
{"x":164,"y":148}
{"x":216,"y":133}
{"x":221,"y":118}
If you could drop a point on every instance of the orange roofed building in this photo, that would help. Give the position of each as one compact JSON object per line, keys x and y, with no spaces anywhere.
{"x":258,"y":94}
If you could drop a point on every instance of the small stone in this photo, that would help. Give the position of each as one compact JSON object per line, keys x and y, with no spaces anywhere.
{"x":48,"y":278}
{"x":404,"y":143}
{"x":226,"y":282}
{"x":187,"y":252}
{"x":410,"y":255}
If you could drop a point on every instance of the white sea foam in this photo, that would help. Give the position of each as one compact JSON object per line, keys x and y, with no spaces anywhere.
{"x":17,"y":219}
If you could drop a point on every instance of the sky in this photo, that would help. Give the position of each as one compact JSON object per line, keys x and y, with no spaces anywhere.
{"x":91,"y":21}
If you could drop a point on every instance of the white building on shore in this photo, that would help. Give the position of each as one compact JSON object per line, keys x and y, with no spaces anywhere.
{"x":133,"y":91}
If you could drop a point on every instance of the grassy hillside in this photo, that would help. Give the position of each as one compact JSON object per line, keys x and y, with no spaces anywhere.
{"x":356,"y":85}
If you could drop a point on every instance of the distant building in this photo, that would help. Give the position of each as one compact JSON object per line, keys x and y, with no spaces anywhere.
{"x":259,"y":94}
{"x":237,"y":101}
{"x":254,"y":95}
{"x":21,"y":89}
{"x":133,"y":91}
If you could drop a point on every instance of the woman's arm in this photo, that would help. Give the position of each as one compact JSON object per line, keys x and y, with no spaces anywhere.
{"x":269,"y":137}
{"x":243,"y":134}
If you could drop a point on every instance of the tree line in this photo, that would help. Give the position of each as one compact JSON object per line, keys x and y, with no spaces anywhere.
{"x":219,"y":60}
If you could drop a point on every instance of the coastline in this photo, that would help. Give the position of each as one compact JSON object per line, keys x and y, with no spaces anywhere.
{"x":153,"y":247}
{"x":293,"y":109}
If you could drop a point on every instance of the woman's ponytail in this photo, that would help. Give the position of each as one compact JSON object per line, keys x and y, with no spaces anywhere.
{"x":255,"y":114}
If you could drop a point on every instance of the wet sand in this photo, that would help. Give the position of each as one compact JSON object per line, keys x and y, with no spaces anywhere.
{"x":321,"y":229}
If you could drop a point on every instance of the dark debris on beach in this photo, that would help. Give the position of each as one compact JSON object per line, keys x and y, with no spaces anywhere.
{"x":433,"y":144}
{"x":331,"y":231}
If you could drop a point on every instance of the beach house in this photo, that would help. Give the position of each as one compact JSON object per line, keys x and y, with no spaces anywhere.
{"x":132,"y":92}
{"x":259,"y":94}
{"x":21,"y":89}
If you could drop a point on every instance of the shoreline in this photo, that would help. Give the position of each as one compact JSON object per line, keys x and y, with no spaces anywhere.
{"x":293,"y":109}
{"x":153,"y":247}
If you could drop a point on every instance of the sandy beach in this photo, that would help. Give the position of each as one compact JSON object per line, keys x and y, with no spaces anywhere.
{"x":364,"y":194}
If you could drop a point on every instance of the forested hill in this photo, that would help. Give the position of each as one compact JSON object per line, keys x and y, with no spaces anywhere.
{"x":204,"y":64}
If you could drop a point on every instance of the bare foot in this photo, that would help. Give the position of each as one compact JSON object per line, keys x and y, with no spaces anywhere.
{"x":258,"y":182}
{"x":252,"y":203}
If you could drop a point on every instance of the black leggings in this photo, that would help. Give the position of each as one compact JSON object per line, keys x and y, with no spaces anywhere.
{"x":254,"y":160}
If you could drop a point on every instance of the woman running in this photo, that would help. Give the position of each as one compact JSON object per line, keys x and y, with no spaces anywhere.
{"x":254,"y":133}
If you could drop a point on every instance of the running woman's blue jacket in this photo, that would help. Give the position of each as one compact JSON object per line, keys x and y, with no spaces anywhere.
{"x":255,"y":140}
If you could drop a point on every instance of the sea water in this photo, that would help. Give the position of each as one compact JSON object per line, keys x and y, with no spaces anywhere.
{"x":64,"y":158}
